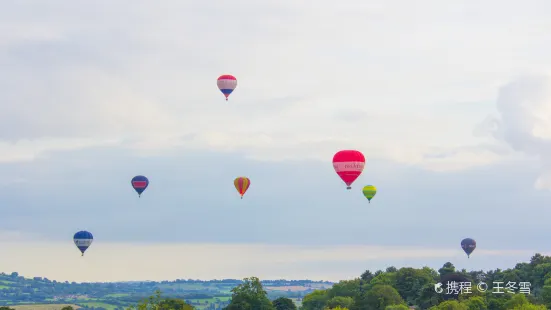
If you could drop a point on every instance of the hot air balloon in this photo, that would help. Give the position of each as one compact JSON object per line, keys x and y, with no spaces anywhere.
{"x":139,"y":183}
{"x":468,"y":246}
{"x":242,"y":184}
{"x":349,"y":164}
{"x":226,"y":83}
{"x":369,"y":192}
{"x":83,"y":240}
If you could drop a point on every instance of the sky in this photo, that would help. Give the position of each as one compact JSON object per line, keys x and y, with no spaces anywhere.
{"x":449,"y":102}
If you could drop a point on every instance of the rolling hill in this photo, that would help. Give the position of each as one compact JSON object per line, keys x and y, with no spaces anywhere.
{"x":213,"y":294}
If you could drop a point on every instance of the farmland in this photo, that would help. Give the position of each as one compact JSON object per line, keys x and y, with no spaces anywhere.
{"x":44,"y":307}
{"x":45,"y":294}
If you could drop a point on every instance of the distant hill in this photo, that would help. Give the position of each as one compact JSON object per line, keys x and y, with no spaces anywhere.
{"x":213,"y":294}
{"x":44,"y":307}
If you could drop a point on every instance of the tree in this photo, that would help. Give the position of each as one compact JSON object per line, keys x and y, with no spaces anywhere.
{"x":283,"y":303}
{"x":428,"y":297}
{"x":339,"y":301}
{"x":174,"y":304}
{"x":67,"y":308}
{"x":546,"y":292}
{"x":496,"y":301}
{"x":411,"y":282}
{"x":397,"y":307}
{"x":6,"y":308}
{"x":250,"y":295}
{"x":315,"y":300}
{"x":519,"y":302}
{"x":537,"y":259}
{"x":446,"y":268}
{"x":530,"y":307}
{"x":385,"y":278}
{"x":378,"y":298}
{"x":450,"y":305}
{"x":345,"y":288}
{"x":475,"y":303}
{"x":155,"y":302}
{"x":367,"y":276}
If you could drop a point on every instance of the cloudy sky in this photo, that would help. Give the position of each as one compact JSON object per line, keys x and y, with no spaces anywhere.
{"x":450,"y":102}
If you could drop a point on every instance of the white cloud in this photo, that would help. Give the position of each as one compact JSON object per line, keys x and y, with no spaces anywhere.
{"x":27,"y":150}
{"x":383,"y":78}
{"x":524,"y":107}
{"x":15,"y":33}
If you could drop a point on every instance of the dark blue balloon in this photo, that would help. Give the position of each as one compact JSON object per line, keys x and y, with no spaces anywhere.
{"x":83,"y":240}
{"x":468,"y":246}
{"x":139,"y":183}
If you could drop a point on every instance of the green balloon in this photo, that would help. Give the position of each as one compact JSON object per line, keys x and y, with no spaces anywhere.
{"x":369,"y":192}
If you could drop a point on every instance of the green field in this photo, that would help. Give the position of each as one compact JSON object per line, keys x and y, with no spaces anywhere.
{"x":43,"y":307}
{"x":202,"y":303}
{"x":97,"y":304}
{"x":35,"y":293}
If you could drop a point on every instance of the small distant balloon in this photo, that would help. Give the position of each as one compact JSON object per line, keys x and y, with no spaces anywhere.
{"x":83,"y":240}
{"x":139,"y":183}
{"x":369,"y":192}
{"x":227,"y":84}
{"x":242,"y":185}
{"x":349,"y":164}
{"x":468,"y":246}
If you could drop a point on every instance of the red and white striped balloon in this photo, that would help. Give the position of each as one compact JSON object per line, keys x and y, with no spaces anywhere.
{"x":349,"y":164}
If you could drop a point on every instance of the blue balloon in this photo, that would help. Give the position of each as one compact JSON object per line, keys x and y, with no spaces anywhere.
{"x":468,"y":245}
{"x":139,"y":183}
{"x":83,"y":240}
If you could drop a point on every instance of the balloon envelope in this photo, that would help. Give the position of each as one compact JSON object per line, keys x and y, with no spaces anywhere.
{"x":139,"y":183}
{"x":349,"y":164}
{"x":242,"y":185}
{"x":369,"y":192}
{"x":226,"y":83}
{"x":83,"y":240}
{"x":468,"y":245}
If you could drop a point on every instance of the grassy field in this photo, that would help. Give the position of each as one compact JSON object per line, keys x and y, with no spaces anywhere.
{"x":204,"y":302}
{"x":286,"y":288}
{"x":202,"y":294}
{"x":97,"y":304}
{"x":44,"y":307}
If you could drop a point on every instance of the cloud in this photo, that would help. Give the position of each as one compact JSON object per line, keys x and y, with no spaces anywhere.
{"x":145,"y":77}
{"x":80,"y":103}
{"x":91,"y":96}
{"x":193,"y":191}
{"x":27,"y":150}
{"x":524,"y":121}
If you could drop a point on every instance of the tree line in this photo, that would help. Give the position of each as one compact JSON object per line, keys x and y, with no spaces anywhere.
{"x":527,"y":286}
{"x":412,"y":288}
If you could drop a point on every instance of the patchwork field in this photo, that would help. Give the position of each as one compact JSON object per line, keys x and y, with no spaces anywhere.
{"x":43,"y":307}
{"x":43,"y":294}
